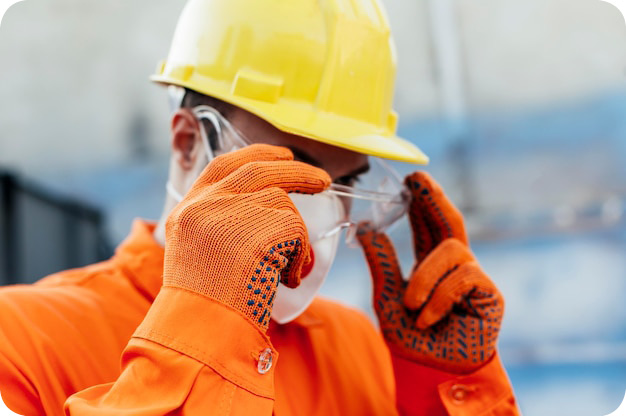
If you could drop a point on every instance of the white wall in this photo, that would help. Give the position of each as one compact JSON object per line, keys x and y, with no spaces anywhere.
{"x":74,"y":81}
{"x":524,"y":53}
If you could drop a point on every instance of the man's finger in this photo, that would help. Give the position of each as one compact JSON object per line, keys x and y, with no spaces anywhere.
{"x":438,"y":266}
{"x":467,"y":287}
{"x":433,"y":217}
{"x":292,"y":236}
{"x":294,"y":248}
{"x":384,"y":267}
{"x":289,"y":176}
{"x":225,"y":164}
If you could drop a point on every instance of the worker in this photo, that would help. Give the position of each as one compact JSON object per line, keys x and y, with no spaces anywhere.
{"x":281,"y":109}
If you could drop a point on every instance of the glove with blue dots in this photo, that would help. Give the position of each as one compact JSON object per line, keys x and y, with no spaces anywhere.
{"x":448,"y":314}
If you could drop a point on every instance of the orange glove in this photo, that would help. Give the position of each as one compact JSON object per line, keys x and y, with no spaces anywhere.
{"x":447,"y":316}
{"x":236,"y":233}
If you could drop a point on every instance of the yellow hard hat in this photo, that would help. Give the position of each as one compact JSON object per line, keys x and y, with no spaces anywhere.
{"x":322,"y":69}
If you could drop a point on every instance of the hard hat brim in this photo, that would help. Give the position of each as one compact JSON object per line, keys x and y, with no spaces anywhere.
{"x":327,"y":128}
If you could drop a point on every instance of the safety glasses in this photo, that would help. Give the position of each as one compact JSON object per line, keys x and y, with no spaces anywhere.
{"x":380,"y":198}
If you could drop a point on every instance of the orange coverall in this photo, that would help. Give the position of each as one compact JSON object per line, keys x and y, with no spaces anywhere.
{"x":61,"y":340}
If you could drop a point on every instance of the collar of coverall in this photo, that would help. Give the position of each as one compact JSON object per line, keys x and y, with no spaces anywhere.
{"x":140,"y":257}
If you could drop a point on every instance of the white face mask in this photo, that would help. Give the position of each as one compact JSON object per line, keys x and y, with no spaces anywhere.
{"x":319,"y":212}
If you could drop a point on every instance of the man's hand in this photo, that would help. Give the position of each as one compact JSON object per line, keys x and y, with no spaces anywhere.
{"x":236,"y":234}
{"x":447,"y":316}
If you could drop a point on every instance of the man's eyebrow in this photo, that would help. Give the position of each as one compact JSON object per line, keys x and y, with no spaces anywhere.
{"x":358,"y":171}
{"x":304,"y":157}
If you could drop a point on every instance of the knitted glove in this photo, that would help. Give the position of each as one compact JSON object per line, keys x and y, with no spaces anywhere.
{"x":447,"y":316}
{"x":236,"y":234}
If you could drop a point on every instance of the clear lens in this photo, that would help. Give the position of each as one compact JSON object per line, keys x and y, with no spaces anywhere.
{"x":380,"y":198}
{"x":222,"y":137}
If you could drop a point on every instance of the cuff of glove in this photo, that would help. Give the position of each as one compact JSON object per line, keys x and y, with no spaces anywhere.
{"x":424,"y":390}
{"x":214,"y":334}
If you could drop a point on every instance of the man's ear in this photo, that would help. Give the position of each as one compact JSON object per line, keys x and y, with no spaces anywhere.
{"x":185,"y":132}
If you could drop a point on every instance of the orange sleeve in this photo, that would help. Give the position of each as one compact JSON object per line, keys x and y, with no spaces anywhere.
{"x":191,"y":355}
{"x":59,"y":339}
{"x":18,"y":394}
{"x":425,"y":391}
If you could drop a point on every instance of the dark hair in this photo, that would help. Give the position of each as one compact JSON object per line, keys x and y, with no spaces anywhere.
{"x":192,"y":99}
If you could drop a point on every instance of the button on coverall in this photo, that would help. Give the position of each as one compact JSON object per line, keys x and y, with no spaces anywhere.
{"x":99,"y":341}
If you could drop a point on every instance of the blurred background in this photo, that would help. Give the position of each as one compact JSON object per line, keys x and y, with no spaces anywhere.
{"x":520,"y":104}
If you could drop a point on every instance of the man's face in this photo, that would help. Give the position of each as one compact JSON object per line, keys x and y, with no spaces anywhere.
{"x":189,"y":157}
{"x":342,"y":165}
